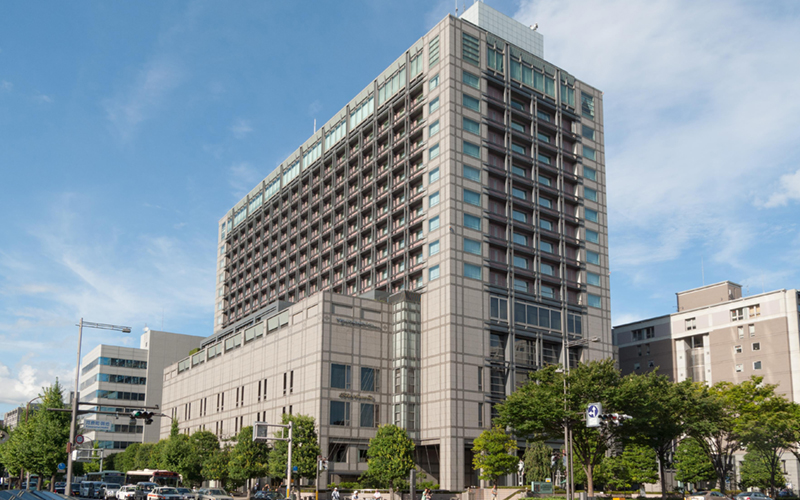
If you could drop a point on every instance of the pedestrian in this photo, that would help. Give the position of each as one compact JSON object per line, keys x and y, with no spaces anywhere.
{"x":355,"y":495}
{"x":377,"y":495}
{"x":494,"y":492}
{"x":335,"y":494}
{"x":427,"y":494}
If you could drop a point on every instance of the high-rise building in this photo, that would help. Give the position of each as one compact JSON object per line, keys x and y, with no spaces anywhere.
{"x":470,"y":172}
{"x":718,"y":335}
{"x":118,"y":379}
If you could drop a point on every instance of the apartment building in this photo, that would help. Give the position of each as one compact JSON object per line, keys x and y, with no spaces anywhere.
{"x":119,"y":378}
{"x":470,"y":173}
{"x":718,"y":335}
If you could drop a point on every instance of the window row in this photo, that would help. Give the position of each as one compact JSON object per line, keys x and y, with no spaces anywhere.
{"x":341,"y":378}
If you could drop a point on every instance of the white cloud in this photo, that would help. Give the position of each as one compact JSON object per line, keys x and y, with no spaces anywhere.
{"x":6,"y":86}
{"x":788,"y":190}
{"x":43,"y":98}
{"x":243,"y":178}
{"x":241,"y":128}
{"x":142,"y":99}
{"x":687,"y":131}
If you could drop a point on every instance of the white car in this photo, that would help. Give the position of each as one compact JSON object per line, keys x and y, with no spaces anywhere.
{"x":126,"y":492}
{"x":213,"y":494}
{"x":110,"y":489}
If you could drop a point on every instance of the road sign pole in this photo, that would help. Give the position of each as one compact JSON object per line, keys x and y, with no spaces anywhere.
{"x":289,"y":467}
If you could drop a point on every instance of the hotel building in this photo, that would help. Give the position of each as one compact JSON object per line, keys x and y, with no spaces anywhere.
{"x":442,"y":236}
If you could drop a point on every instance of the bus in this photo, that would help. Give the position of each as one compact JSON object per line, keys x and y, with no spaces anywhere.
{"x":160,"y":477}
{"x":107,"y":476}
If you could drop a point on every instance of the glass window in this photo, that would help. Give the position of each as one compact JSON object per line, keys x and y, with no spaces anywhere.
{"x":595,"y":301}
{"x":547,"y":269}
{"x":494,"y":59}
{"x":470,"y":49}
{"x":472,"y":271}
{"x":519,"y":193}
{"x":472,"y":149}
{"x":519,"y":216}
{"x":471,"y":103}
{"x":369,"y":381}
{"x":471,"y":80}
{"x":592,"y":236}
{"x":472,"y":173}
{"x":433,"y":273}
{"x":433,"y":129}
{"x":591,"y":215}
{"x":433,"y":248}
{"x":545,"y":224}
{"x":543,"y":116}
{"x":543,"y":137}
{"x":544,"y":159}
{"x":518,"y":105}
{"x":587,"y":105}
{"x":518,"y":127}
{"x":520,"y":239}
{"x":434,"y":82}
{"x":498,"y":308}
{"x":340,"y":413}
{"x":592,"y":257}
{"x":549,"y":292}
{"x":520,"y":285}
{"x":756,"y":365}
{"x":544,"y":181}
{"x":545,"y":202}
{"x":472,"y":197}
{"x":590,"y":173}
{"x":472,"y":126}
{"x":520,"y":262}
{"x":433,"y":51}
{"x":587,"y":132}
{"x":340,"y":376}
{"x":593,"y":279}
{"x":590,"y":194}
{"x":472,"y":246}
{"x":472,"y":222}
{"x":546,"y":246}
{"x":517,"y":148}
{"x":519,"y":171}
{"x":433,"y":223}
{"x":589,"y":153}
{"x":434,"y":175}
{"x":433,"y":152}
{"x":433,"y":106}
{"x":433,"y":200}
{"x":367,"y":415}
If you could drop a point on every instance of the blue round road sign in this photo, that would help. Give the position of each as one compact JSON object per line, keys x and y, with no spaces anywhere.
{"x":593,"y":411}
{"x":294,"y":468}
{"x":62,"y":466}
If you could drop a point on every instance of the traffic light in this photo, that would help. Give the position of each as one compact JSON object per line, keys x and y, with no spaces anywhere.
{"x":323,"y":464}
{"x":147,"y":416}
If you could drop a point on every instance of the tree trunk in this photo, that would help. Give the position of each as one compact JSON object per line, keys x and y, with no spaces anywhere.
{"x":52,"y":483}
{"x":662,"y":473}
{"x":589,"y":482}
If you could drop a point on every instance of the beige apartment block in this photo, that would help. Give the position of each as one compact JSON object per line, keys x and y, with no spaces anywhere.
{"x":470,"y":172}
{"x":718,"y":335}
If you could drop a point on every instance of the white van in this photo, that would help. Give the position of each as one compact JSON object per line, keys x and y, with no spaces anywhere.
{"x":88,"y":488}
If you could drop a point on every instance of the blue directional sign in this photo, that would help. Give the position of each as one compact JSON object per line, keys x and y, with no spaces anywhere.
{"x":294,"y":468}
{"x":593,"y":412}
{"x":62,"y":466}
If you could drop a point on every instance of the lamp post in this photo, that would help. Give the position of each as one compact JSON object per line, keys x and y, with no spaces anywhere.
{"x":74,"y":421}
{"x":567,"y":344}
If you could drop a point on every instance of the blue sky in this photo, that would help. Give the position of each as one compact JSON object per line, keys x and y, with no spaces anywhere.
{"x":128,"y":129}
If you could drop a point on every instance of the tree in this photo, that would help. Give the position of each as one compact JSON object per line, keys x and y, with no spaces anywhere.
{"x":204,"y":446}
{"x":640,"y":462}
{"x":537,"y":459}
{"x":143,"y":454}
{"x":305,"y":449}
{"x":493,"y":454}
{"x":757,"y":472}
{"x":390,"y":457}
{"x":540,"y":410}
{"x":126,"y":460}
{"x":657,"y":406}
{"x":248,"y":459}
{"x":215,"y":467}
{"x":692,"y":464}
{"x":178,"y":455}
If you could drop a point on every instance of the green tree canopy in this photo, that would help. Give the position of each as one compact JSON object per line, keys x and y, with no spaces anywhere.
{"x":692,"y":464}
{"x":537,"y":461}
{"x":494,"y":454}
{"x":537,"y":410}
{"x":305,"y":449}
{"x":390,"y":457}
{"x":215,"y":467}
{"x":248,"y":460}
{"x":756,"y":472}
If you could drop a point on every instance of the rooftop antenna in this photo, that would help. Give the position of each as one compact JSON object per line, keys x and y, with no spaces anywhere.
{"x":703,"y":271}
{"x":456,"y":8}
{"x":315,"y":125}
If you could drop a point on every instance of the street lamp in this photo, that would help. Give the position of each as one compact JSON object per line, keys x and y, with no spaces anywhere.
{"x":74,"y":421}
{"x":567,"y":344}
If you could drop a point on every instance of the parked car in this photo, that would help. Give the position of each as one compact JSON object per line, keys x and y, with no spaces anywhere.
{"x":110,"y":490}
{"x":164,"y":493}
{"x":143,"y":489}
{"x":187,"y":494}
{"x":60,"y":487}
{"x":213,"y":494}
{"x":76,"y":489}
{"x":752,"y":495}
{"x":87,"y":488}
{"x":126,"y":492}
{"x":708,"y":495}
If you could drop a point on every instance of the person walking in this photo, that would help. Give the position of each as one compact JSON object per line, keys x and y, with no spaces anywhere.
{"x":377,"y":495}
{"x":355,"y":495}
{"x":335,"y":494}
{"x":494,"y":492}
